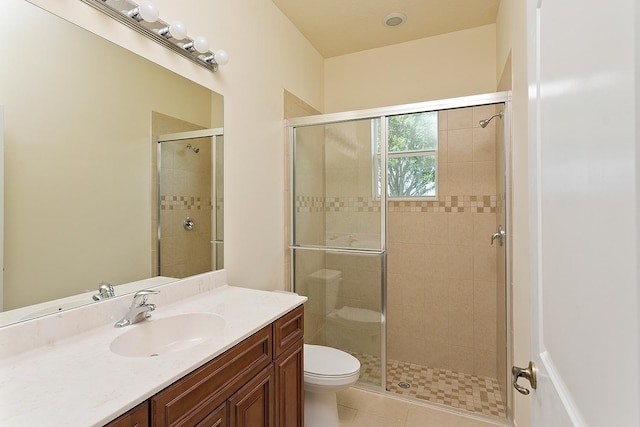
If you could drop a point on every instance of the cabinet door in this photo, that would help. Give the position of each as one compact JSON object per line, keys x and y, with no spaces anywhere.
{"x":289,"y":371}
{"x":194,"y":397}
{"x":217,"y":418}
{"x":253,"y":405}
{"x":137,"y":417}
{"x":287,"y":330}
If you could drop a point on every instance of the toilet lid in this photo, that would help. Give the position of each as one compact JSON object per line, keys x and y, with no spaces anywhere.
{"x":327,"y":361}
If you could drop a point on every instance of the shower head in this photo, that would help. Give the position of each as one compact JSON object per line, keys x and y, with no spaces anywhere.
{"x":194,"y":149}
{"x":485,"y":122}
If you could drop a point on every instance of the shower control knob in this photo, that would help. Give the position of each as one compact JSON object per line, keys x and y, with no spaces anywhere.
{"x":498,"y":235}
{"x":188,"y":224}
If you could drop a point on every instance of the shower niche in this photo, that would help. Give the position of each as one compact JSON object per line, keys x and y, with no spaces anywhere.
{"x":391,"y":242}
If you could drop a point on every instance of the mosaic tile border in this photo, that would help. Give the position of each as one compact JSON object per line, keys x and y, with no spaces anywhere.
{"x":452,"y":204}
{"x":351,"y":204}
{"x":455,"y":389}
{"x":184,"y":203}
{"x":309,"y":204}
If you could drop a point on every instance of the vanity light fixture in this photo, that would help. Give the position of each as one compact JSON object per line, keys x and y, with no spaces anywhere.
{"x":145,"y":11}
{"x":144,"y":17}
{"x":176,"y":30}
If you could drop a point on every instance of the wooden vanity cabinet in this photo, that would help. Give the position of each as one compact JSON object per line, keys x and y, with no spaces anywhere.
{"x":257,"y":383}
{"x":288,"y":332}
{"x":137,"y":417}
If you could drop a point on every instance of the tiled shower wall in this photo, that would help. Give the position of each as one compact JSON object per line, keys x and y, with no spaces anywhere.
{"x":441,"y":266}
{"x":186,"y":191}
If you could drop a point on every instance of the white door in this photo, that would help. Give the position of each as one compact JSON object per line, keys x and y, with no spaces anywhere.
{"x":584,"y":161}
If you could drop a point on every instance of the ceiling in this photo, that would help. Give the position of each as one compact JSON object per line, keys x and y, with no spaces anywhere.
{"x":339,"y":27}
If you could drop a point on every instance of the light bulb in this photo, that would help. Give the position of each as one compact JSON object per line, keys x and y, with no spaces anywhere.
{"x":201,"y":44}
{"x":178,"y":30}
{"x":221,"y":57}
{"x":148,"y":11}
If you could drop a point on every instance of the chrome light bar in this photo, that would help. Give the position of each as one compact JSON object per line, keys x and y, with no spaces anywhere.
{"x":144,"y":18}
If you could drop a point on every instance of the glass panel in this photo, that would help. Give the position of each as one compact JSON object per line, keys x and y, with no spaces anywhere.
{"x":219,"y":189}
{"x":333,"y":186}
{"x":218,"y":255}
{"x":412,"y":176}
{"x":344,"y":306}
{"x":446,"y":307}
{"x":410,"y":132}
{"x":501,"y":255}
{"x":186,"y":223}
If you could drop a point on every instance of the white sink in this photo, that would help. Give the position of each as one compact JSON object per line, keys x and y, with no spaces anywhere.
{"x":167,"y":335}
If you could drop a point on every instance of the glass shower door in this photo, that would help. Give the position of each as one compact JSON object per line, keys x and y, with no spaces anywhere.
{"x":338,"y":238}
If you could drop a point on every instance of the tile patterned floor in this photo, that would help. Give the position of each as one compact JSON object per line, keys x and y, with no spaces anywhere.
{"x":363,"y":408}
{"x":455,"y":389}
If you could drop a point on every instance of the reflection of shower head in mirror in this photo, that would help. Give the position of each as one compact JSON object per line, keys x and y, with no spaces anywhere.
{"x":194,"y":149}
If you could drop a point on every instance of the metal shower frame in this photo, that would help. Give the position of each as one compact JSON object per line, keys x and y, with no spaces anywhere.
{"x":382,"y":113}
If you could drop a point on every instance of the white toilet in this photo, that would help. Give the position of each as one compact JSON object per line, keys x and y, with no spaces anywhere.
{"x":326,"y":371}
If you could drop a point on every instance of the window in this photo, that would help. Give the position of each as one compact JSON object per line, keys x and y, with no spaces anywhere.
{"x":412,"y":155}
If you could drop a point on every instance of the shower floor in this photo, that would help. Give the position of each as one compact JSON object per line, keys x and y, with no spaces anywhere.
{"x":455,"y":389}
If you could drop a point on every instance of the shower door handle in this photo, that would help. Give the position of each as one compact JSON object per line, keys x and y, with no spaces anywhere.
{"x":498,"y":235}
{"x":528,"y":373}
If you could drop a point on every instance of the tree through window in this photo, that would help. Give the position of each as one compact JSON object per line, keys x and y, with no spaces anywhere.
{"x":412,"y":155}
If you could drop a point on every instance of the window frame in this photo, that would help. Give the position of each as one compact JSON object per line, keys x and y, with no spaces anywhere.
{"x":398,"y":154}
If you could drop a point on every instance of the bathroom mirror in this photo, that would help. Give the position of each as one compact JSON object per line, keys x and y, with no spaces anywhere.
{"x":80,"y":160}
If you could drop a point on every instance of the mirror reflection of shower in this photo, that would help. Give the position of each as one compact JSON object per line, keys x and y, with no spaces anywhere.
{"x":189,"y":187}
{"x":485,"y":122}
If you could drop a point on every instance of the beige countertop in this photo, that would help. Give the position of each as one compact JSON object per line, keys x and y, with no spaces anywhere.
{"x":49,"y":377}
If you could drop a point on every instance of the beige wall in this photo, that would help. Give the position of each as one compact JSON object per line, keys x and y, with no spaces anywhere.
{"x":440,"y":67}
{"x":267,"y":54}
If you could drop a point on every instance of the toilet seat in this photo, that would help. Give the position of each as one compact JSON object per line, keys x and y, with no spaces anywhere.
{"x":324,"y":361}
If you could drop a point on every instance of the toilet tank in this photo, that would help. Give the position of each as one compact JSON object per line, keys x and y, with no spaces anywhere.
{"x":323,"y":287}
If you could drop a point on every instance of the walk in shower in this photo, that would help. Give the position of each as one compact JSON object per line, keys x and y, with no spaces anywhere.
{"x":395,"y":239}
{"x":190,"y":195}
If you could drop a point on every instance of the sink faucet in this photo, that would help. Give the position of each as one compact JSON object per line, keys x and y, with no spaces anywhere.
{"x":140,"y":309}
{"x":105,"y":291}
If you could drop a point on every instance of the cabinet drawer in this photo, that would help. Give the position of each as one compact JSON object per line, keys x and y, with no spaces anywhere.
{"x":199,"y":393}
{"x":288,"y":330}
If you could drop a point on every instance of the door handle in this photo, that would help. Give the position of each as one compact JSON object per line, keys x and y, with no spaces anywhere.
{"x":498,"y":235}
{"x":529,"y":373}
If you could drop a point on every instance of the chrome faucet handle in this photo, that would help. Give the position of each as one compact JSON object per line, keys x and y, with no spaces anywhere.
{"x":139,"y":309}
{"x":140,"y":297}
{"x":105,"y":290}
